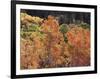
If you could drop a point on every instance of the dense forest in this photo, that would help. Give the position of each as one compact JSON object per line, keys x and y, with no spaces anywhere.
{"x":62,"y":16}
{"x":52,"y":39}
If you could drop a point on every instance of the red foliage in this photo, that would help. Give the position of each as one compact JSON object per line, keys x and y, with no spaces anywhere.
{"x":47,"y":48}
{"x":79,"y":40}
